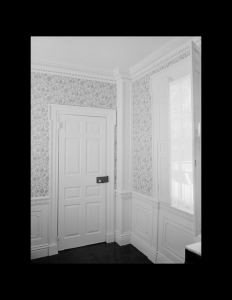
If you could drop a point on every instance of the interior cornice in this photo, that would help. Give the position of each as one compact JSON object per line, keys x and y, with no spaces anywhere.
{"x":161,"y":56}
{"x":64,"y":70}
{"x":121,"y":74}
{"x":133,"y":73}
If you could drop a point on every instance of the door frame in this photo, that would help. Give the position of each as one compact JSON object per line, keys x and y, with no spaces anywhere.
{"x":54,"y":110}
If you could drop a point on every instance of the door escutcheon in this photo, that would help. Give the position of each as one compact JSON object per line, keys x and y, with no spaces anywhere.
{"x":103,"y":179}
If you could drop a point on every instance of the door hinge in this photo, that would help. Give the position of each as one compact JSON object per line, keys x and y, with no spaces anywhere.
{"x":57,"y":239}
{"x":158,"y":186}
{"x":195,"y":162}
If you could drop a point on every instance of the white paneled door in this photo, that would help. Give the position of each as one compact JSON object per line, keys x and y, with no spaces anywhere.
{"x":82,"y":158}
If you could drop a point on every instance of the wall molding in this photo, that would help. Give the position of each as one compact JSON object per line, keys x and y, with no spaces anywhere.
{"x":175,"y":211}
{"x":165,"y":246}
{"x":144,"y":248}
{"x":162,"y":259}
{"x":123,"y":195}
{"x":146,"y":199}
{"x":122,"y":239}
{"x":69,"y":71}
{"x":40,"y":200}
{"x":166,"y":54}
{"x":163,"y":206}
{"x":110,"y":237}
{"x":121,"y":74}
{"x":39,"y":251}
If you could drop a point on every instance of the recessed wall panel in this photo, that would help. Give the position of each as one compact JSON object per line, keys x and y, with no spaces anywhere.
{"x":35,"y":226}
{"x":93,"y":156}
{"x":141,"y":220}
{"x":92,"y":217}
{"x":71,"y":220}
{"x":72,"y":159}
{"x":176,"y":238}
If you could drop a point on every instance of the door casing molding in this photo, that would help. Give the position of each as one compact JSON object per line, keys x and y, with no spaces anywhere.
{"x":53,"y":117}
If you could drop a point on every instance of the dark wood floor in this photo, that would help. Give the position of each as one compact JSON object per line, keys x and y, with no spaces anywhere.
{"x":102,"y":253}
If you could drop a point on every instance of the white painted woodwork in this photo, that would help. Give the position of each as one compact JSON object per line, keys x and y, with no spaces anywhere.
{"x":70,"y":71}
{"x":82,"y":158}
{"x":39,"y":229}
{"x":172,"y":228}
{"x":124,"y":174}
{"x":161,"y":57}
{"x":160,"y":119}
{"x":123,"y":217}
{"x":159,"y":231}
{"x":195,"y":63}
{"x":73,"y":192}
{"x":142,"y":221}
{"x":123,"y":130}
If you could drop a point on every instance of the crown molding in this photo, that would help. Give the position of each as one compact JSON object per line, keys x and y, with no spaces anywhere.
{"x":121,"y":74}
{"x":162,"y":55}
{"x":65,"y":70}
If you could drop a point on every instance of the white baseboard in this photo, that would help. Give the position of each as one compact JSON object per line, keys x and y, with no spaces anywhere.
{"x":109,"y":237}
{"x":122,"y":239}
{"x":39,"y":251}
{"x":162,"y":260}
{"x":144,"y":248}
{"x":53,"y":249}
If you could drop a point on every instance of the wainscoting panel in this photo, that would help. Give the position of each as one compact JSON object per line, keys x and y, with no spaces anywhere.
{"x":142,"y":220}
{"x":126,"y":215}
{"x":174,"y":235}
{"x":39,"y":228}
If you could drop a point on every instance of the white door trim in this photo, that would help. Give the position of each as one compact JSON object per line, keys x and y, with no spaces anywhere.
{"x":53,"y":114}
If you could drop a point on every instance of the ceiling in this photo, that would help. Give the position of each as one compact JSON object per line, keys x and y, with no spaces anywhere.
{"x":103,"y":53}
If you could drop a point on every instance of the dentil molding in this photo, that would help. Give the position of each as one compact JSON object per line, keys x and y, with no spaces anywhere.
{"x":63,"y":70}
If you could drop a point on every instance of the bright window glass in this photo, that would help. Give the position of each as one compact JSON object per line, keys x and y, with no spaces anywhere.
{"x":181,"y":156}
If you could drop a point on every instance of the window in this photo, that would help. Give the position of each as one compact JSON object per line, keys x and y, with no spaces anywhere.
{"x":176,"y":101}
{"x":181,"y":143}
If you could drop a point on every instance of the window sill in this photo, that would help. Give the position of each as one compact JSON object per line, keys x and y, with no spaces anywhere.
{"x":183,"y":209}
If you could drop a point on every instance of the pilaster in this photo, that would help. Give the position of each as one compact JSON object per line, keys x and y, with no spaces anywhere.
{"x":123,"y":195}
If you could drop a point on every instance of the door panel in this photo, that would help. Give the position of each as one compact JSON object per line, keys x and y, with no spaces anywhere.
{"x":82,"y":158}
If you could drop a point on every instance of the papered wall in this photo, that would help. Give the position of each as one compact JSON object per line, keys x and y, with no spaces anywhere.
{"x":53,"y":89}
{"x":142,"y":128}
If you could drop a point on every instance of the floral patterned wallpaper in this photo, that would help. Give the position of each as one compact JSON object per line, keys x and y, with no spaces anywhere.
{"x":142,"y":128}
{"x":53,"y":89}
{"x":142,"y":136}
